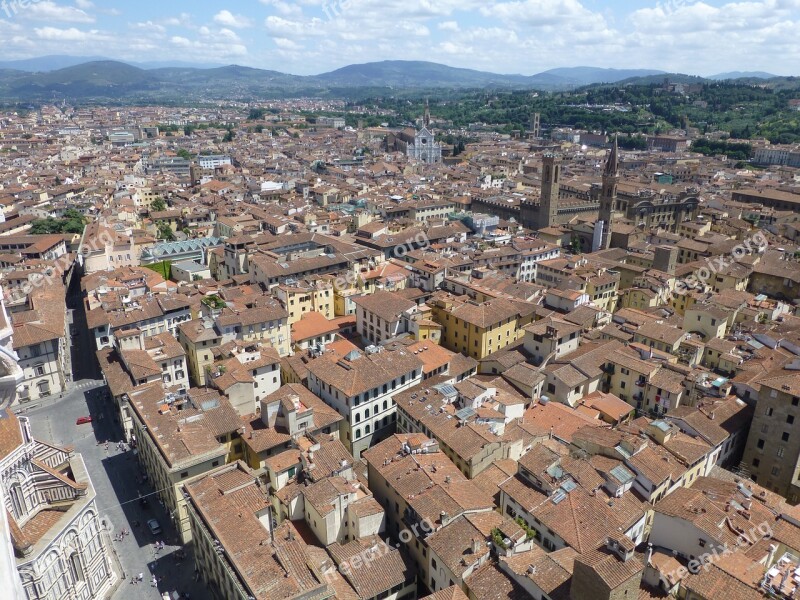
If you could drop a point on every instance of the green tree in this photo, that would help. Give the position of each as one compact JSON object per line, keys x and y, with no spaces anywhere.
{"x":165,"y":232}
{"x":43,"y":226}
{"x":158,"y":205}
{"x":71,"y":222}
{"x":73,"y":226}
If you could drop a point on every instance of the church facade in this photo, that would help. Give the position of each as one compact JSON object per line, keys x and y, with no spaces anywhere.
{"x":424,"y":147}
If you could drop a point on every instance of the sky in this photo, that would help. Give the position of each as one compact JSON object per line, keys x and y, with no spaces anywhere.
{"x":503,"y":36}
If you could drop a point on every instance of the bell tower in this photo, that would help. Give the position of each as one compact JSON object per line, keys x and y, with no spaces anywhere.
{"x":608,"y":197}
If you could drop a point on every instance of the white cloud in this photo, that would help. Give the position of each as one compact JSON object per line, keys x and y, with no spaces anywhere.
{"x":526,"y":36}
{"x":688,"y":18}
{"x":455,"y":49}
{"x":286,"y":44}
{"x":280,"y":27}
{"x":50,"y":11}
{"x":702,"y":39}
{"x":65,"y":35}
{"x":562,"y":16}
{"x":223,"y":44}
{"x":228,"y":19}
{"x":229,"y":35}
{"x":182,"y":20}
{"x":285,"y":9}
{"x":150,"y":26}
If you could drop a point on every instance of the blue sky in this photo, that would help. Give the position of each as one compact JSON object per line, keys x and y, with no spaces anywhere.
{"x":505,"y":36}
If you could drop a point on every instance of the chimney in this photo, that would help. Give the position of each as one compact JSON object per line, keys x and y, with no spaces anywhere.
{"x":771,"y":556}
{"x":476,"y":546}
{"x":649,"y":554}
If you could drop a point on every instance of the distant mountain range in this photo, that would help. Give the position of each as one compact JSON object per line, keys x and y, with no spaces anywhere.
{"x":82,"y":78}
{"x":55,"y":62}
{"x":742,"y":75}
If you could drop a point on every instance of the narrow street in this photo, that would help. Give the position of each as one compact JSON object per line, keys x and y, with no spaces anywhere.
{"x":84,"y":363}
{"x":117,"y":479}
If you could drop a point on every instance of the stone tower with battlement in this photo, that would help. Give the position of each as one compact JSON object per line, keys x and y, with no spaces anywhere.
{"x":551,"y":184}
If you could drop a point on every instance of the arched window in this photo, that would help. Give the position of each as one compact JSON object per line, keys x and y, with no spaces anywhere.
{"x":385,"y":404}
{"x":75,"y":569}
{"x":367,"y":430}
{"x":358,"y":418}
{"x":17,"y":500}
{"x":357,"y":435}
{"x":366,"y":414}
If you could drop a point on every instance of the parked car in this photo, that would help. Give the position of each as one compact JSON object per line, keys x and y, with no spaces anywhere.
{"x":83,"y":420}
{"x":154,"y":526}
